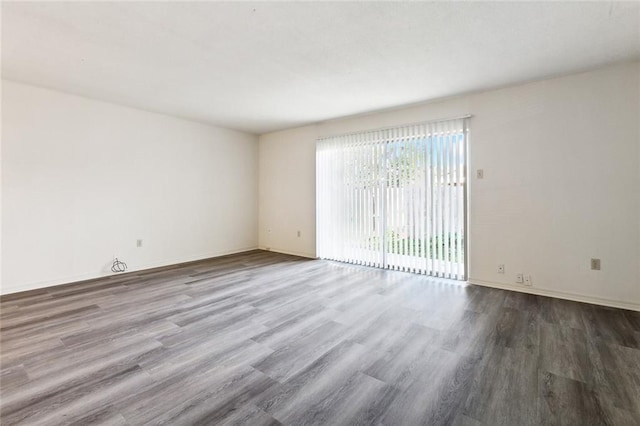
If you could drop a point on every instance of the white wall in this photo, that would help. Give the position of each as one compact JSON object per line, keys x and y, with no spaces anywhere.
{"x":287,"y":191}
{"x":561,"y":161}
{"x":82,"y":180}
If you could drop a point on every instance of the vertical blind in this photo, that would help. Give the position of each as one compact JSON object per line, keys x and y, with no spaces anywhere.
{"x":395,"y":198}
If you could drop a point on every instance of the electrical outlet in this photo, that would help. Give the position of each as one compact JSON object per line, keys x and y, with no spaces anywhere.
{"x":138,"y":243}
{"x":298,"y":234}
{"x":527,"y":280}
{"x":480,"y":174}
{"x":595,"y":264}
{"x":519,"y":278}
{"x":501,"y":269}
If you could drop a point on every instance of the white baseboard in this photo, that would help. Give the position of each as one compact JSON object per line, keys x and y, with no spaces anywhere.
{"x":136,"y":268}
{"x":559,"y":295}
{"x":292,"y":253}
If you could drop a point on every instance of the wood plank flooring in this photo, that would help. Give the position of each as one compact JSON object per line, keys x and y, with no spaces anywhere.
{"x":261,"y":338}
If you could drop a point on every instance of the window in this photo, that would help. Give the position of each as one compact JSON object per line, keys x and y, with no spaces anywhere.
{"x":395,"y":198}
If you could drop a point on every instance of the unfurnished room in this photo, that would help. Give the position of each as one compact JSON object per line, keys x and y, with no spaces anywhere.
{"x":329,"y":213}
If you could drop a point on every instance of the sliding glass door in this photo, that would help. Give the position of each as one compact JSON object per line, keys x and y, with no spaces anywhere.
{"x":395,"y":198}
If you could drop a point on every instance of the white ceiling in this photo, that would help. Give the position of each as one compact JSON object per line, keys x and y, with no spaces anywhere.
{"x":260,"y":67}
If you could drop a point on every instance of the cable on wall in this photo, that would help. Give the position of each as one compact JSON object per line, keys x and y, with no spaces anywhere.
{"x":118,"y":266}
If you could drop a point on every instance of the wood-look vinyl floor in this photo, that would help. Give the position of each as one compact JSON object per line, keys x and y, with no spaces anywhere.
{"x":263,"y":338}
